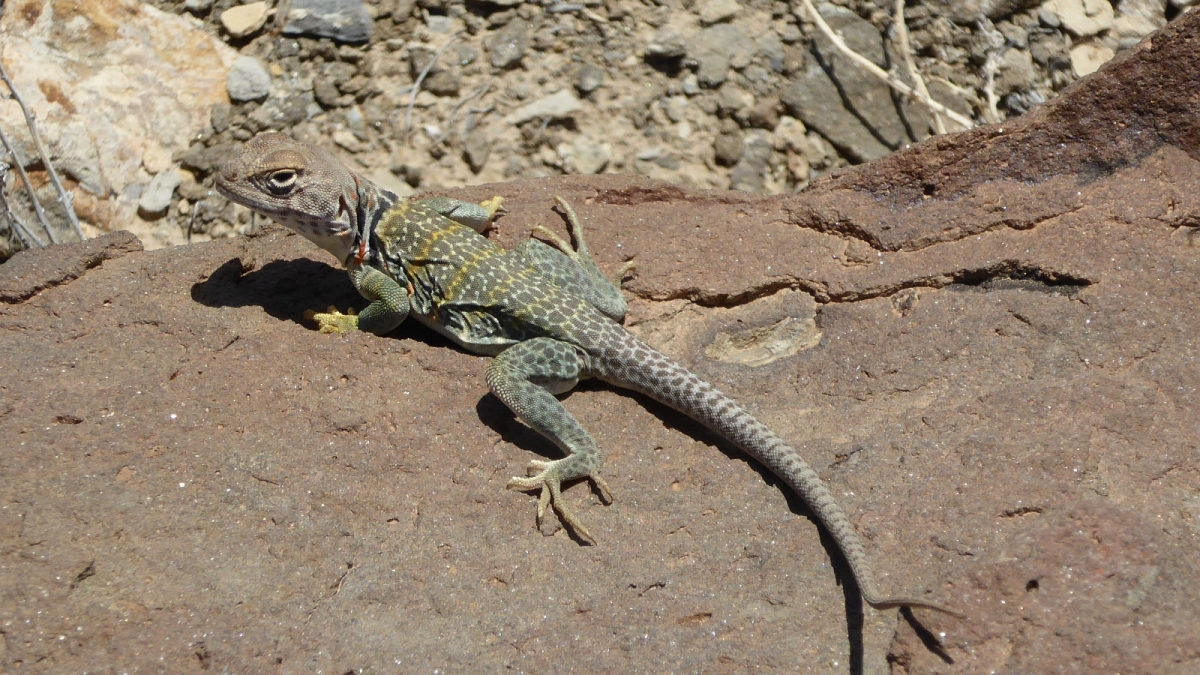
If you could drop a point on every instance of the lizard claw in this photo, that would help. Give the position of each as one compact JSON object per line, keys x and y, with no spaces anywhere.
{"x":331,"y":321}
{"x":557,"y":241}
{"x":545,"y":478}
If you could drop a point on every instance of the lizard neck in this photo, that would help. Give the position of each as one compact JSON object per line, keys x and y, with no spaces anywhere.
{"x":351,"y":237}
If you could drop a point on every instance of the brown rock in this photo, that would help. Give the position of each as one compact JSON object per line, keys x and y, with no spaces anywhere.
{"x":1003,"y":391}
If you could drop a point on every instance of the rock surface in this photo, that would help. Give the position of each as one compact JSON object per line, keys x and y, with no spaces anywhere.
{"x":341,"y":20}
{"x":1002,"y":393}
{"x":110,"y":81}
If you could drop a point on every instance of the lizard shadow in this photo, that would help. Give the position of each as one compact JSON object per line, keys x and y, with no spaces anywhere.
{"x":500,"y":419}
{"x":286,"y":289}
{"x":283,"y":288}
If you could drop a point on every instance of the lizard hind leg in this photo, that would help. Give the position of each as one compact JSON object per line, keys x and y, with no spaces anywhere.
{"x":572,"y":267}
{"x":525,"y":377}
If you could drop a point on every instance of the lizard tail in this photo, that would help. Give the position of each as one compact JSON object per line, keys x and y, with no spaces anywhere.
{"x":632,"y":364}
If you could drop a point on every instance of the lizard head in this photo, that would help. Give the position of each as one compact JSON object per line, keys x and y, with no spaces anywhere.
{"x":301,"y":186}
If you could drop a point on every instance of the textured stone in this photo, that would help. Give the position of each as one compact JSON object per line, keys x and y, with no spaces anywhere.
{"x":1082,"y":17}
{"x":589,"y":157}
{"x":76,"y":69}
{"x":715,"y":11}
{"x":718,"y":48}
{"x":248,"y":79}
{"x":667,"y":42}
{"x":341,"y":20}
{"x":1087,"y":58}
{"x":156,"y":198}
{"x":589,"y":79}
{"x":554,"y":106}
{"x":242,"y":20}
{"x":857,"y":113}
{"x":508,"y":45}
{"x":748,"y":173}
{"x":967,"y":12}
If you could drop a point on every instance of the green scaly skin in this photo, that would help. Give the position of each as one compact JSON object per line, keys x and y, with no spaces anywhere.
{"x":547,"y":314}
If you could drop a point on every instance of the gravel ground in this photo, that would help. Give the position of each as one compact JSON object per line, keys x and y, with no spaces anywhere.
{"x":711,"y":94}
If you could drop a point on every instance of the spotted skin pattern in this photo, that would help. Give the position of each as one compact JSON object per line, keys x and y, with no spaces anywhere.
{"x":546,"y":312}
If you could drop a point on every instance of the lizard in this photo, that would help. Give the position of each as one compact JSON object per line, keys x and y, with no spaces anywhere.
{"x":546,"y":313}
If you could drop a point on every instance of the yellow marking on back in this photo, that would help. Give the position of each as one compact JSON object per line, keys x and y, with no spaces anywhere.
{"x":393,"y":221}
{"x":468,"y":267}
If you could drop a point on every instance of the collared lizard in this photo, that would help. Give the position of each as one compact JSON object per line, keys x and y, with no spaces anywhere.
{"x":548,"y":315}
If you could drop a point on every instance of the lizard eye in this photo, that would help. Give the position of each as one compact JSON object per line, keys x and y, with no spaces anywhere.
{"x":281,"y":182}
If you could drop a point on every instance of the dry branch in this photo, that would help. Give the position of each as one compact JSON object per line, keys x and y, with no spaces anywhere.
{"x":64,"y":197}
{"x":880,"y":73}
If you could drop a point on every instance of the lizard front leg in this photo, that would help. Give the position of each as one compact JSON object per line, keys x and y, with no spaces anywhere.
{"x":526,"y":377}
{"x":475,"y":216}
{"x":388,"y":308}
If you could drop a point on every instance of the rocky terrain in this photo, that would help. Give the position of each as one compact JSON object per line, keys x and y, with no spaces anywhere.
{"x":140,"y":102}
{"x":984,"y":342}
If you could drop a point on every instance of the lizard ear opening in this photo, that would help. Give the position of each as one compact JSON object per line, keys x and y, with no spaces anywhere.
{"x":281,"y":182}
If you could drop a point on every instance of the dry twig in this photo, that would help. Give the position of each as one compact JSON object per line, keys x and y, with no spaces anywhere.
{"x":64,"y":197}
{"x":416,"y":88}
{"x":37,"y":204}
{"x":880,"y":73}
{"x":991,"y":66}
{"x":906,"y":49}
{"x":479,"y":91}
{"x":29,"y":239}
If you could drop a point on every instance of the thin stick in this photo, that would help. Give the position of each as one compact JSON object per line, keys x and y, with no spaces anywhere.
{"x":412,"y":101}
{"x":37,"y":205}
{"x":29,"y":239}
{"x":991,"y":66}
{"x":479,"y":91}
{"x":880,"y":73}
{"x":64,"y":197}
{"x":470,"y":122}
{"x":902,"y":38}
{"x":192,"y":222}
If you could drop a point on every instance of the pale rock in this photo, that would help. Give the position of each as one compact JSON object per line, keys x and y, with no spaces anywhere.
{"x":340,"y":20}
{"x":1154,"y":11}
{"x":675,"y":107}
{"x":156,"y":159}
{"x":1016,"y":72}
{"x":718,"y":48}
{"x":1087,"y":58}
{"x":589,"y":157}
{"x":347,"y":139}
{"x":248,"y":79}
{"x":732,"y":98}
{"x":388,"y":181}
{"x":668,"y":42}
{"x":1129,"y":29}
{"x":790,"y":135}
{"x":555,"y":106}
{"x":156,"y":198}
{"x":107,"y":79}
{"x":800,"y":169}
{"x":1083,"y":17}
{"x":715,"y":11}
{"x":242,"y":20}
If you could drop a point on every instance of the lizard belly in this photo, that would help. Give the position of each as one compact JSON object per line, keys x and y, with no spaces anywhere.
{"x":467,"y":335}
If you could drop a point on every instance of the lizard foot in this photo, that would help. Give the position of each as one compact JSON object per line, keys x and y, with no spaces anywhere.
{"x":333,"y":321}
{"x":546,"y":477}
{"x":493,"y":206}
